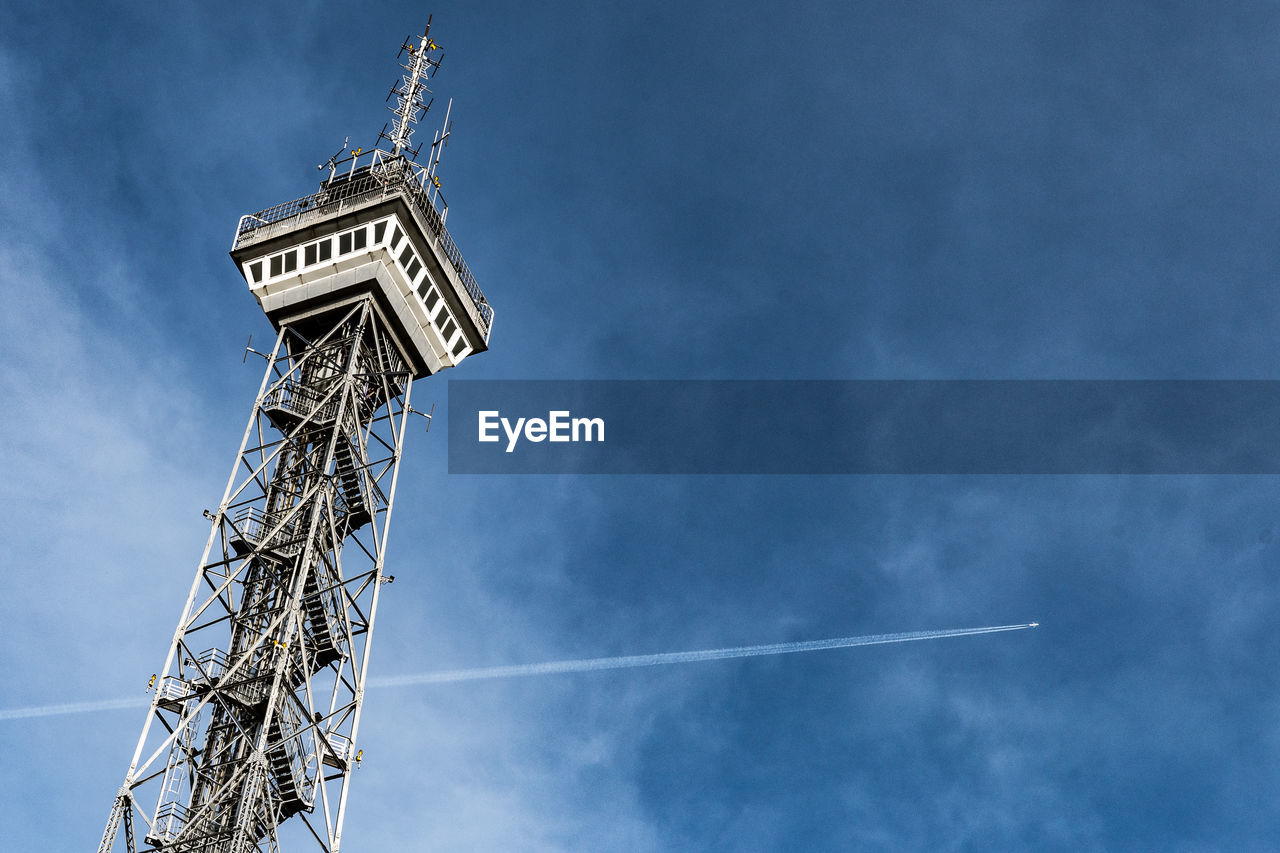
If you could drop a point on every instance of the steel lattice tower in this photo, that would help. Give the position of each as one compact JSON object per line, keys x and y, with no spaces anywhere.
{"x":258,"y":703}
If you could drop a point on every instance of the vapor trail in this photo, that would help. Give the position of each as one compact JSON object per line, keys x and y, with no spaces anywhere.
{"x":561,"y":666}
{"x":592,"y":664}
{"x":73,"y":708}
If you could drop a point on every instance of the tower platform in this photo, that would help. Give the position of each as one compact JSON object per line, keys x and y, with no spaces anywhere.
{"x":372,"y":229}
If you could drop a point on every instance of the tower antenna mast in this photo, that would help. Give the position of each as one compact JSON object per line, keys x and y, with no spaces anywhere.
{"x":251,"y":738}
{"x":410,"y":108}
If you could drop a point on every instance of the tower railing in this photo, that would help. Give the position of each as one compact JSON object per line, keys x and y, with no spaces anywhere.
{"x":255,"y":529}
{"x":169,"y":822}
{"x":291,"y":401}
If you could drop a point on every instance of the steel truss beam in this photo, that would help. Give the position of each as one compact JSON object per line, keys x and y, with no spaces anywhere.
{"x":258,"y":703}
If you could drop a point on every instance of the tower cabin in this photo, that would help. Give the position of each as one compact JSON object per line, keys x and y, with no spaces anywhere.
{"x":376,"y":228}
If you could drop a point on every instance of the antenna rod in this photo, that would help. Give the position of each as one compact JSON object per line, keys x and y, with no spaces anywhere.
{"x":411,"y":92}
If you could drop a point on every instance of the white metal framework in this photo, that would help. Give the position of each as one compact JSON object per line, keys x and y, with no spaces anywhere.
{"x":258,"y":705}
{"x":255,"y":714}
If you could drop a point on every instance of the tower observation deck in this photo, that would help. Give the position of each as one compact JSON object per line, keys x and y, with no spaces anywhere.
{"x":251,"y":737}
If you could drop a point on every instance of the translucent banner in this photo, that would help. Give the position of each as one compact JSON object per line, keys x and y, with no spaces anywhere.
{"x":864,"y":427}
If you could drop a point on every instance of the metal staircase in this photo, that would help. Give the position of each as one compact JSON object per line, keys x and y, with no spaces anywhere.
{"x":351,"y":481}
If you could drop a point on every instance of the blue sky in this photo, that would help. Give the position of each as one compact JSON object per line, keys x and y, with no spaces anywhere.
{"x":711,"y":190}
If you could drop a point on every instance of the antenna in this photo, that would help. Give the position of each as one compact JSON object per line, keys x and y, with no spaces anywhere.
{"x":332,"y":162}
{"x":334,"y":159}
{"x":248,"y":348}
{"x":438,"y":143}
{"x":410,"y":108}
{"x":428,"y":415}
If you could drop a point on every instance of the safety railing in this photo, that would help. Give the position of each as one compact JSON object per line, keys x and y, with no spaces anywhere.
{"x":209,"y":666}
{"x":253,"y":529}
{"x":336,"y":751}
{"x":172,"y":692}
{"x":246,"y":686}
{"x":297,"y":402}
{"x":169,"y":822}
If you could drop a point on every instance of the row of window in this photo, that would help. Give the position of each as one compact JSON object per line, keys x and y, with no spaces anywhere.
{"x":317,"y":252}
{"x":354,"y":241}
{"x":443,"y":320}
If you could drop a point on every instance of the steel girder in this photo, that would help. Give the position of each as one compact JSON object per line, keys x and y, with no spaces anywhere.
{"x":254,"y":717}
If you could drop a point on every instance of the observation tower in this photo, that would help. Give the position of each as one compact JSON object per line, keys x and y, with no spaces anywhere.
{"x":255,"y":715}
